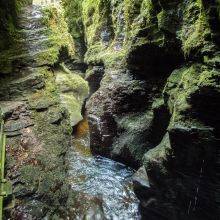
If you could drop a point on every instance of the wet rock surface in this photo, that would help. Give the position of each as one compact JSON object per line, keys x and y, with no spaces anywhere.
{"x":123,"y":118}
{"x":36,"y":124}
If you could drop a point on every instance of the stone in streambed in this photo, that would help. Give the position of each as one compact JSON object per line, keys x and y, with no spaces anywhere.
{"x":140,"y":179}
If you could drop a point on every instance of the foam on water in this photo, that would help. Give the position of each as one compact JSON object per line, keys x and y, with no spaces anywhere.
{"x":103,"y":178}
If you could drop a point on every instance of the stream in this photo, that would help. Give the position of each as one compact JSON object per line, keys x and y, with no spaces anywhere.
{"x":106,"y":183}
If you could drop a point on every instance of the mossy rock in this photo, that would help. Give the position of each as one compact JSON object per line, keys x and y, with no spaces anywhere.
{"x":73,"y":91}
{"x":72,"y":83}
{"x":184,"y":83}
{"x":73,"y":107}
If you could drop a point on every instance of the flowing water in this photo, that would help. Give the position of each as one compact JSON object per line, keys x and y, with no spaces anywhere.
{"x":103,"y":181}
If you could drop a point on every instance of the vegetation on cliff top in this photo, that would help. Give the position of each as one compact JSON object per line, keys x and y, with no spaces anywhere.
{"x":111,"y":29}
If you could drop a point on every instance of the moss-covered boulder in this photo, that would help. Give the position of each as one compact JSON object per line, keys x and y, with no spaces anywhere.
{"x":73,"y":92}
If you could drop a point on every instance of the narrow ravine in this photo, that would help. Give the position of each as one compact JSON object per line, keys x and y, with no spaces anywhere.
{"x":100,"y":187}
{"x":110,"y":109}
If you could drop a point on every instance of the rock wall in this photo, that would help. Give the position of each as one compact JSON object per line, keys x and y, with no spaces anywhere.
{"x":154,"y":70}
{"x":41,"y":100}
{"x":9,"y":11}
{"x":7,"y":23}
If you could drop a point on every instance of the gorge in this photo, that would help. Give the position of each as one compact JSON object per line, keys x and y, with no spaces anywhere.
{"x":111,"y":108}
